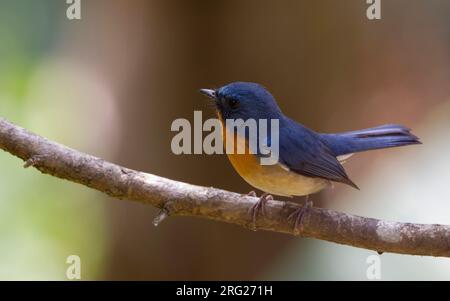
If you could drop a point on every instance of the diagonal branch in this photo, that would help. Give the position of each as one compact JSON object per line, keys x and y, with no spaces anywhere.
{"x":182,"y":199}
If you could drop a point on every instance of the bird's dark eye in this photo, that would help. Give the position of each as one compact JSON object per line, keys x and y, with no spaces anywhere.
{"x":232,"y":103}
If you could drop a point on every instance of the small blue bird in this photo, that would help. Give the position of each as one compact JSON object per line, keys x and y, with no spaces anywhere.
{"x":308,"y":161}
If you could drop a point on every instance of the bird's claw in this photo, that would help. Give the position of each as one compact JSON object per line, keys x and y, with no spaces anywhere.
{"x":258,"y":207}
{"x":252,"y":193}
{"x":298,"y":215}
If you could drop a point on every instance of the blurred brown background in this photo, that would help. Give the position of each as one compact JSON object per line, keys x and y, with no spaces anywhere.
{"x":140,"y":64}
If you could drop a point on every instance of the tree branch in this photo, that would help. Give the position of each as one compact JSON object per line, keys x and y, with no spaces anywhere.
{"x":180,"y":199}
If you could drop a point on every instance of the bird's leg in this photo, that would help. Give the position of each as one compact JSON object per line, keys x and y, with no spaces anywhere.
{"x":259,"y":206}
{"x":299,"y":213}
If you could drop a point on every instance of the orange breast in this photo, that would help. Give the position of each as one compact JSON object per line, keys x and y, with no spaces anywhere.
{"x":245,"y":164}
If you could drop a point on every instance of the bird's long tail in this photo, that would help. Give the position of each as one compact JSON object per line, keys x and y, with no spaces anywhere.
{"x":385,"y":136}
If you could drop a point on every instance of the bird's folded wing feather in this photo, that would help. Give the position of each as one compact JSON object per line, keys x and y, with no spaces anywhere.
{"x":302,"y":151}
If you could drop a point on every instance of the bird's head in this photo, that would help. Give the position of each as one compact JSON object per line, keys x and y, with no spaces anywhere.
{"x":242,"y":100}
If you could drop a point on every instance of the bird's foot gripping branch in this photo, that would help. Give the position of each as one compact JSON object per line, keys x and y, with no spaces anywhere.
{"x":182,"y":199}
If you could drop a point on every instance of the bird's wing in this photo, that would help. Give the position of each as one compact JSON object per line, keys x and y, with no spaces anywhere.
{"x":302,"y":151}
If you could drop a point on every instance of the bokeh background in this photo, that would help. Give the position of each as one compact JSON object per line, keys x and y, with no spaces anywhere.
{"x":112,"y":83}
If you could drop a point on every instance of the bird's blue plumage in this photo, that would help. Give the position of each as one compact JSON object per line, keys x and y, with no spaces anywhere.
{"x":389,"y":135}
{"x":304,"y":152}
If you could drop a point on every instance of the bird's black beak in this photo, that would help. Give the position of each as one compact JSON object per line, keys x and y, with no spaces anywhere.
{"x":209,"y":92}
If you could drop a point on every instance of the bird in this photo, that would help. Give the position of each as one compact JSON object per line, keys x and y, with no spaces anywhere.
{"x":308,"y":161}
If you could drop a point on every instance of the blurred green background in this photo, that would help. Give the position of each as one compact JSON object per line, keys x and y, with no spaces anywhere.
{"x":112,"y":83}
